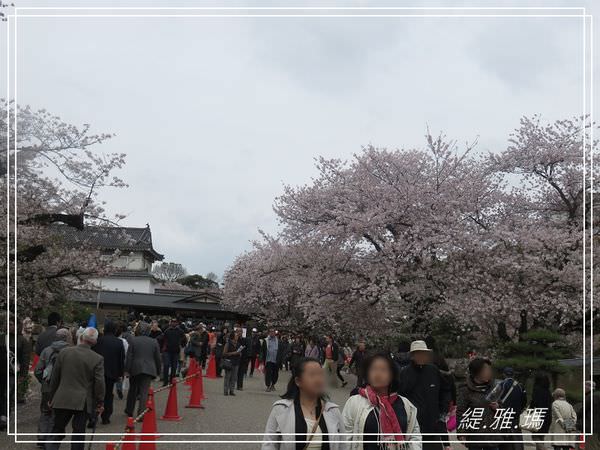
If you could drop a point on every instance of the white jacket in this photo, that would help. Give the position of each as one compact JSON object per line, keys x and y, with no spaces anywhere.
{"x":355,"y":414}
{"x":283,"y":420}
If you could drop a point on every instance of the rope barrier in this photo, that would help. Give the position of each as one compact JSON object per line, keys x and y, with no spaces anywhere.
{"x":141,"y":415}
{"x":168,"y":386}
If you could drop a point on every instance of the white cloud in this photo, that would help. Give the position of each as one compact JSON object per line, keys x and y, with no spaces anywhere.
{"x":215,"y":114}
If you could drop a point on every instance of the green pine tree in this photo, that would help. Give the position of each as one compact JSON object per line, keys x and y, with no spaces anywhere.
{"x":536,"y":350}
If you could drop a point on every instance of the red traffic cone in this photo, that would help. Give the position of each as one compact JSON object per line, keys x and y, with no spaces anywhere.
{"x":149,"y":429}
{"x":129,"y":438}
{"x":192,"y":369}
{"x":171,"y":409}
{"x":196,"y":395}
{"x":153,"y":406}
{"x":211,"y":371}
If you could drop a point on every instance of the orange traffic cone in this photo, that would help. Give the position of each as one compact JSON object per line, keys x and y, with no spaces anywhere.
{"x":196,"y":395}
{"x":129,"y":439}
{"x":148,"y":427}
{"x":171,"y":409}
{"x":192,"y":369}
{"x":211,"y":371}
{"x":153,"y":406}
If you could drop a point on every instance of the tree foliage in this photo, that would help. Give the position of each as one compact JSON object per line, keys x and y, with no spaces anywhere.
{"x":196,"y":281}
{"x":169,"y":271}
{"x":491,"y":241}
{"x":51,"y":173}
{"x":536,"y":350}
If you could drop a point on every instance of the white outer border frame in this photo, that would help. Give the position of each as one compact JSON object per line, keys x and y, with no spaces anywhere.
{"x":586,"y":109}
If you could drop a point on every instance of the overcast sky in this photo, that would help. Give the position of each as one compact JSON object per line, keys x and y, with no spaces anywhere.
{"x":216,"y":114}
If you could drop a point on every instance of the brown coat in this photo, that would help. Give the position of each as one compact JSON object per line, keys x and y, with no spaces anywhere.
{"x":77,"y":379}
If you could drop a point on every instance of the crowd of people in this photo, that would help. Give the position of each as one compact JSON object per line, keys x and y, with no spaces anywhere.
{"x":411,"y":400}
{"x":404,"y":399}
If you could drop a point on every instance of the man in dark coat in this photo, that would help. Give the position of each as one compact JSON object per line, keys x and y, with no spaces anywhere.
{"x":76,"y":389}
{"x":48,"y":336}
{"x":422,"y":383}
{"x":142,"y":364}
{"x":113,"y":351}
{"x":356,"y":363}
{"x":585,"y":421}
{"x":244,"y":359}
{"x":173,"y":340}
{"x":254,"y":349}
{"x":199,"y":344}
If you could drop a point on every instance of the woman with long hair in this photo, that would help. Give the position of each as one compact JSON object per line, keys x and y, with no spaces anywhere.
{"x":312,"y":349}
{"x":304,"y":419}
{"x":376,"y":414}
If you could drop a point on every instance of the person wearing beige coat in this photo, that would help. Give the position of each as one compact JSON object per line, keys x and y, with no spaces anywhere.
{"x":563,"y":423}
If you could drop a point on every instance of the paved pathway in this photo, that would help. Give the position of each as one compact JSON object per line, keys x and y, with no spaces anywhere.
{"x":246,"y":412}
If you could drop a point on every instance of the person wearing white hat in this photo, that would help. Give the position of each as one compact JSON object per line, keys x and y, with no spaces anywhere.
{"x":422,"y":383}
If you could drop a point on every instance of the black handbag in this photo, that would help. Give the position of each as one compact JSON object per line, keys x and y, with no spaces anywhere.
{"x":226,"y":364}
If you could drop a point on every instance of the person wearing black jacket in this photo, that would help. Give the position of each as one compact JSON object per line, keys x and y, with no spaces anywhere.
{"x":204,"y":338}
{"x":199,"y":344}
{"x":244,"y":359}
{"x":221,"y":340}
{"x":541,"y":399}
{"x":254,"y":349}
{"x":111,"y":348}
{"x":356,"y":363}
{"x":296,"y":351}
{"x":585,"y":421}
{"x":173,"y":340}
{"x":7,"y":371}
{"x":48,"y":336}
{"x":423,"y":384}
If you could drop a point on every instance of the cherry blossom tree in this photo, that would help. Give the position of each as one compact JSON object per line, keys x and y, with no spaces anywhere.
{"x":50,"y":177}
{"x":397,"y":238}
{"x":531,"y":274}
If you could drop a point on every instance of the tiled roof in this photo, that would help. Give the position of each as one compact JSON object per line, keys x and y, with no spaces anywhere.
{"x":110,"y":238}
{"x":140,"y":299}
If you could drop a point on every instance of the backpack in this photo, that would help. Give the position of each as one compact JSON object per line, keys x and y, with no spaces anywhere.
{"x":47,"y":373}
